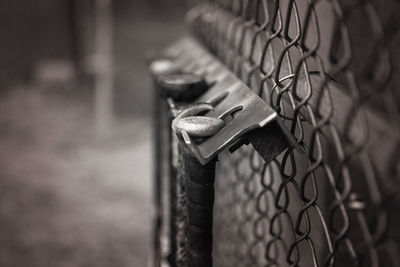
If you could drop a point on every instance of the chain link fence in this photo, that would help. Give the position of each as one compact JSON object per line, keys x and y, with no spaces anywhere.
{"x":330,"y":69}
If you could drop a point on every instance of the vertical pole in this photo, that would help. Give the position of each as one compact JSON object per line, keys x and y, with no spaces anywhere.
{"x":191,"y":186}
{"x":173,"y":202}
{"x":199,"y":181}
{"x":103,"y":67}
{"x":157,"y":131}
{"x":164,"y":177}
{"x":73,"y":21}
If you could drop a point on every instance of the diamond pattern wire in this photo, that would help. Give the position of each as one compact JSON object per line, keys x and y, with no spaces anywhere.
{"x":330,"y":69}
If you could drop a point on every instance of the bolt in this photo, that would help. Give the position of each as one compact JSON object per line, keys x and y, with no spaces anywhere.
{"x":163,"y":66}
{"x":184,"y":87}
{"x":197,"y":126}
{"x":194,"y":109}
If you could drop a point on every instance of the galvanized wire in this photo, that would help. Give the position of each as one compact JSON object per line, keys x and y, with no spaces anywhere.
{"x":329,"y":69}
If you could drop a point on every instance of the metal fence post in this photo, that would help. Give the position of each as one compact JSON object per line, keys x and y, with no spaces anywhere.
{"x":183,"y":88}
{"x":199,"y":182}
{"x":162,"y":149}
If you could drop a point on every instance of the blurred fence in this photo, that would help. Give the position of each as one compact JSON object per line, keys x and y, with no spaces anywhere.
{"x":330,"y":70}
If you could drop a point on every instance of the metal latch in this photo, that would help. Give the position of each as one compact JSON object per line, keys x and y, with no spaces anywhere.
{"x":239,"y":116}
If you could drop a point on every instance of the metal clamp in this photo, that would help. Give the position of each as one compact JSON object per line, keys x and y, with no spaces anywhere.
{"x":238,"y":114}
{"x":242,"y":110}
{"x":247,"y":118}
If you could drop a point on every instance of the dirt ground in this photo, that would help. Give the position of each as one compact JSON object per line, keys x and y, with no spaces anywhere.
{"x":67,"y":199}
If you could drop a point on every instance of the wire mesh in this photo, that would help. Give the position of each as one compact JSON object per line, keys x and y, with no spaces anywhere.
{"x":329,"y":69}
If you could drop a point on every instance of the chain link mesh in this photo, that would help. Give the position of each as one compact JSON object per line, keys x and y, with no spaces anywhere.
{"x":329,"y":69}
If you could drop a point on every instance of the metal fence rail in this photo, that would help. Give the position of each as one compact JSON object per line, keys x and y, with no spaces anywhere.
{"x":330,"y":69}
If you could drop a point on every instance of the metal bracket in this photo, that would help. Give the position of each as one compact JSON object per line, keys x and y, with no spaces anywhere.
{"x":242,"y":110}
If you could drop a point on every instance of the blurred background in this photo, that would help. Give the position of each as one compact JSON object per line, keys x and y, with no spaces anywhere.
{"x":75,"y":146}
